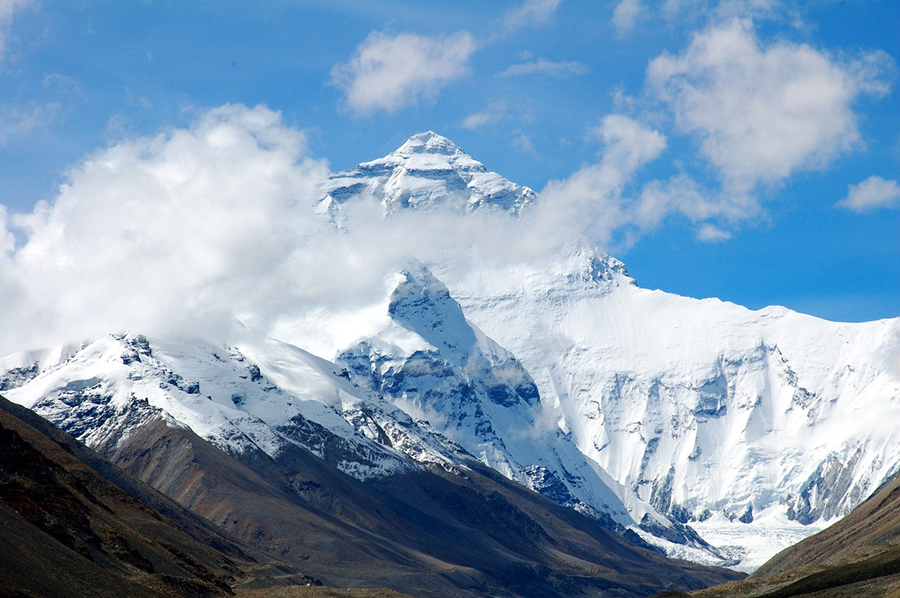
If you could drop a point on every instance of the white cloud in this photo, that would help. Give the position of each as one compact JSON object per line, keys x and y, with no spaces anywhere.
{"x":872,"y":194}
{"x":394,"y":72}
{"x":18,"y":122}
{"x":477,"y":120}
{"x":531,"y":12}
{"x":762,"y":113}
{"x":712,"y":234}
{"x":681,"y":195}
{"x":597,"y":197}
{"x":183,"y":232}
{"x":625,"y":15}
{"x":593,"y":194}
{"x":494,"y":113}
{"x":546,"y":68}
{"x":179,"y":230}
{"x":628,"y":144}
{"x":7,"y":10}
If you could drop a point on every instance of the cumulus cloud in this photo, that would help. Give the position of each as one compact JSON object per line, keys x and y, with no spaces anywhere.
{"x":625,"y":15}
{"x":187,"y":227}
{"x":872,"y":194}
{"x":763,"y":112}
{"x":546,"y":68}
{"x":394,"y":72}
{"x":531,"y":12}
{"x":682,"y":195}
{"x":607,"y":200}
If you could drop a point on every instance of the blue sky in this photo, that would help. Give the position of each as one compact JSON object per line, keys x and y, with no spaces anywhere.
{"x":743,"y":150}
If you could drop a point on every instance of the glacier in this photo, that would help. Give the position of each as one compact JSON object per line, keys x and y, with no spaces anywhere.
{"x":716,"y":433}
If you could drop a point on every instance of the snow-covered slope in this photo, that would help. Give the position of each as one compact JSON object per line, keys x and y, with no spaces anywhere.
{"x":757,"y":428}
{"x":427,"y":389}
{"x":260,"y":395}
{"x":431,"y":362}
{"x":633,"y":406}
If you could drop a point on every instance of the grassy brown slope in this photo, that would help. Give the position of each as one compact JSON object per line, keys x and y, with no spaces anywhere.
{"x":531,"y":545}
{"x":181,"y":519}
{"x":429,"y":533}
{"x":68,"y":531}
{"x":868,"y":530}
{"x":258,"y":505}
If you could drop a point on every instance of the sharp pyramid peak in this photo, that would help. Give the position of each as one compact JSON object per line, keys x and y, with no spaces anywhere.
{"x":428,"y":142}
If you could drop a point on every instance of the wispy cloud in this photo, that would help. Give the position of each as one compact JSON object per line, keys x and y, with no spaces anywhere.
{"x":394,"y":72}
{"x":530,"y":13}
{"x":19,"y":121}
{"x":625,"y":15}
{"x":546,"y":68}
{"x":594,"y":194}
{"x":7,"y":10}
{"x":693,"y":11}
{"x":523,"y":143}
{"x":872,"y":194}
{"x":492,"y":114}
{"x":712,"y":234}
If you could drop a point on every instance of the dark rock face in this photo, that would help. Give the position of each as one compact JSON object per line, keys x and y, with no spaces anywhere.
{"x":824,"y":491}
{"x":16,"y":377}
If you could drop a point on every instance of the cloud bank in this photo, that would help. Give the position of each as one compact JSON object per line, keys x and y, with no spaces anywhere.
{"x":190,"y":226}
{"x":196,"y":229}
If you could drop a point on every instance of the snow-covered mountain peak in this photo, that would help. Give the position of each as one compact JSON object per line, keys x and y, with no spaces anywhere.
{"x":428,"y":142}
{"x":427,"y":171}
{"x":422,"y":304}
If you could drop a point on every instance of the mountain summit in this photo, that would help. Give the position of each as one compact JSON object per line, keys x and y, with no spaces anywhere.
{"x":428,"y":170}
{"x":428,"y":142}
